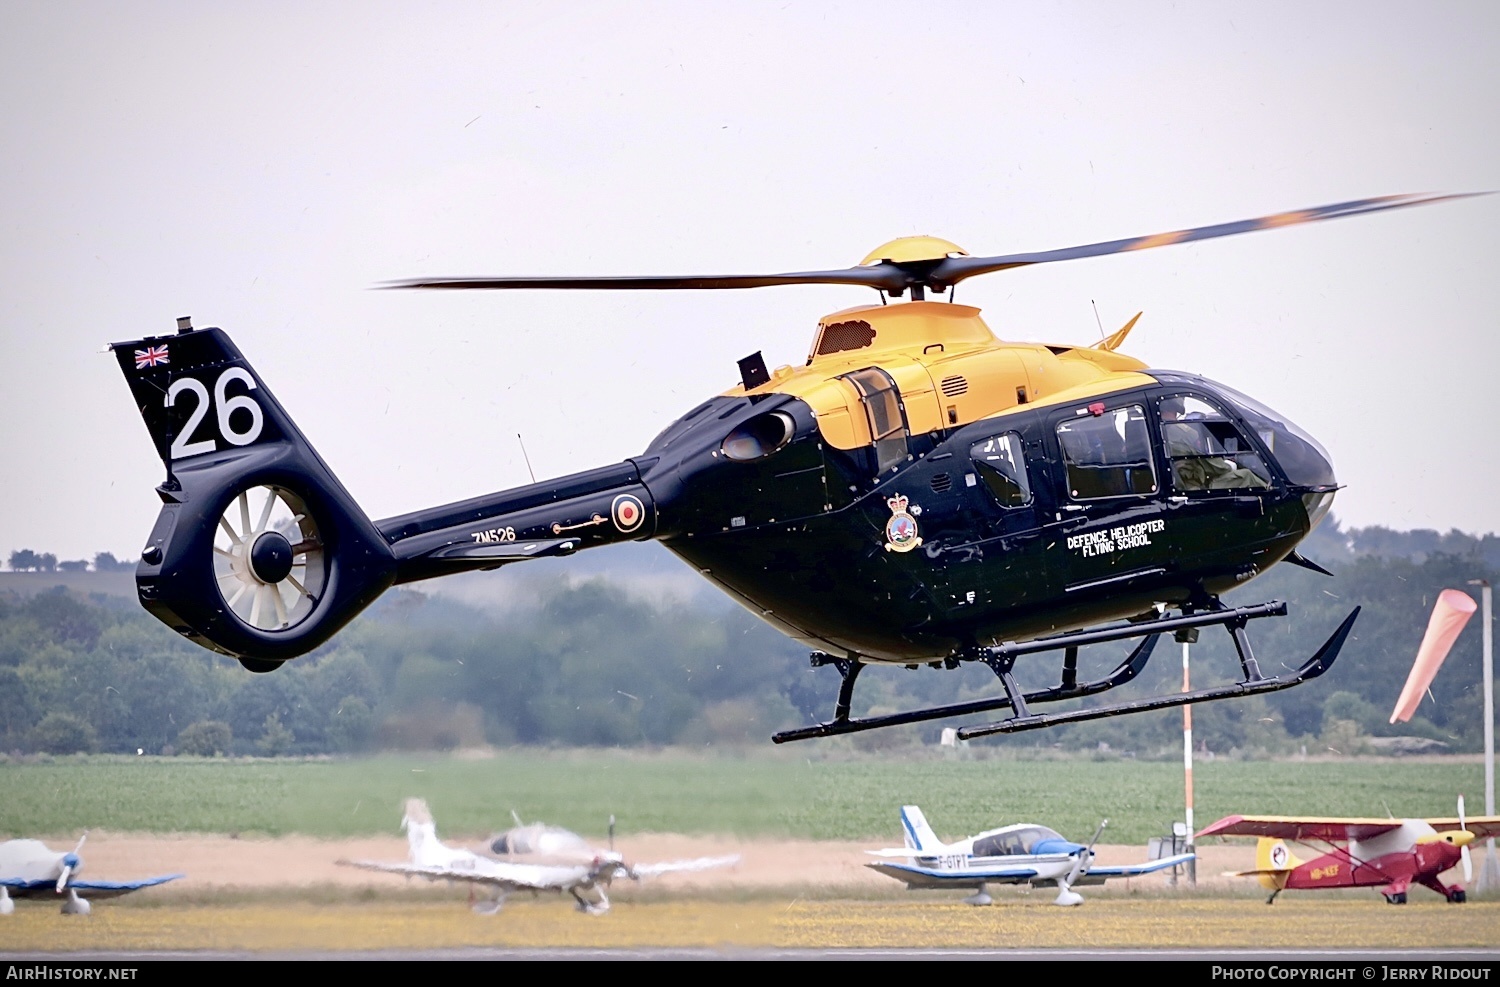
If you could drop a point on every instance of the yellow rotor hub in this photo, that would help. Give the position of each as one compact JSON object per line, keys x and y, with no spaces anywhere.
{"x":907,"y":249}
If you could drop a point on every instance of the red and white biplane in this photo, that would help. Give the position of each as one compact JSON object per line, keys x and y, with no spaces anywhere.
{"x":1391,"y":854}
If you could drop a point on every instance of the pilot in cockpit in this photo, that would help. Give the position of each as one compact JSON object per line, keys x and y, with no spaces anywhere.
{"x":1199,"y":461}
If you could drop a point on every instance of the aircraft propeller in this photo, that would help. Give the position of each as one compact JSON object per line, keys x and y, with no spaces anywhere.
{"x":1463,"y":853}
{"x":70,"y":864}
{"x":923,"y":263}
{"x":1066,"y":895}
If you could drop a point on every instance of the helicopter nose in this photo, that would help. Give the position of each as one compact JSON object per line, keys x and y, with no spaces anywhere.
{"x":1317,"y":504}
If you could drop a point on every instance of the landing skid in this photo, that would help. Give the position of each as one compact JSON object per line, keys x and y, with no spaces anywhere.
{"x":1001,"y":660}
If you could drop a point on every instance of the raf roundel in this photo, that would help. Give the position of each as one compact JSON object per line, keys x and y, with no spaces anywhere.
{"x":627,"y":513}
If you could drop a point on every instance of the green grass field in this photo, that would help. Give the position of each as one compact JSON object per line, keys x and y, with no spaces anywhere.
{"x":754,"y":795}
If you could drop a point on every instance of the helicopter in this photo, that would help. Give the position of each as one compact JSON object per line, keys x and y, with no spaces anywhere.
{"x":919,"y":492}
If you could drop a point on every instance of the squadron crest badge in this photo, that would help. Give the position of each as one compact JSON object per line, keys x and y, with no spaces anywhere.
{"x":901,"y":530}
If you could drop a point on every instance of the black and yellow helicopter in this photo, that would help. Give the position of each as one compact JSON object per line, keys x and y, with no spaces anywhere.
{"x":919,"y":492}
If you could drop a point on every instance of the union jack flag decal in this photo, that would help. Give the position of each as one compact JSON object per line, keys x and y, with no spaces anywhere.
{"x":150,"y":356}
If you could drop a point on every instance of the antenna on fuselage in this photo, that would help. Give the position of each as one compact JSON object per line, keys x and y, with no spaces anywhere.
{"x":526,"y":457}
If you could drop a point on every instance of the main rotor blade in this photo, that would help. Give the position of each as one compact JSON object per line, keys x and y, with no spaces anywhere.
{"x":955,"y":269}
{"x":876,"y":276}
{"x":938,"y":274}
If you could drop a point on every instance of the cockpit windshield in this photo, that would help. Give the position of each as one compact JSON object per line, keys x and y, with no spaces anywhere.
{"x":1302,"y":457}
{"x":1013,"y":841}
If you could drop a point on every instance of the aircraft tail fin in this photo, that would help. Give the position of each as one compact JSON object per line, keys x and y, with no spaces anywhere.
{"x":914,"y":828}
{"x":1274,"y":855}
{"x":258,"y":551}
{"x":421,"y":835}
{"x":1274,"y":863}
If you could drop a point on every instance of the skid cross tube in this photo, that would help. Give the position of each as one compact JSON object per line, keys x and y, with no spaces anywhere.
{"x":1124,"y":672}
{"x":1001,"y":660}
{"x":1319,"y":663}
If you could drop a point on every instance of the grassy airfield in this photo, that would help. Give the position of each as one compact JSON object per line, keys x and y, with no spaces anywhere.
{"x":759,"y":795}
{"x":775,"y":794}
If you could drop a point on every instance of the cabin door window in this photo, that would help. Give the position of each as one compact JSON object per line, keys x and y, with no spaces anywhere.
{"x":882,"y":402}
{"x":1108,"y":454}
{"x":1000,"y":465}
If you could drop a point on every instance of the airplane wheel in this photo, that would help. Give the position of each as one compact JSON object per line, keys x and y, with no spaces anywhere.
{"x":1458,"y":896}
{"x":259,"y":665}
{"x":1399,"y":898}
{"x":269,"y":562}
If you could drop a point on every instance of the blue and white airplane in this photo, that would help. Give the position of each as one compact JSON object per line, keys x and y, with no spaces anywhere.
{"x":29,"y":869}
{"x":1020,"y":854}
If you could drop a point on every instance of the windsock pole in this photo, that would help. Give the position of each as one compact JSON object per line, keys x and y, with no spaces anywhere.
{"x":1187,"y":757}
{"x":1489,"y":871}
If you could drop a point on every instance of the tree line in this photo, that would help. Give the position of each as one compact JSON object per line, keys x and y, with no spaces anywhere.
{"x":592,"y":664}
{"x":25,"y":560}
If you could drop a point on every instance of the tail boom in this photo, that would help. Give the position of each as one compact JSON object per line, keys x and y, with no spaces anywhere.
{"x":260,"y":553}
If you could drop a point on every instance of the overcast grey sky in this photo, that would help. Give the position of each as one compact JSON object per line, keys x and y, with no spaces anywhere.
{"x":259,"y":166}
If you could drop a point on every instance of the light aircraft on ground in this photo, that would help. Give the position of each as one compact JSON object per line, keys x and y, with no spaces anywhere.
{"x":30,"y":869}
{"x":571,"y":866}
{"x":1390,"y":854}
{"x":1023,"y":853}
{"x":918,"y":492}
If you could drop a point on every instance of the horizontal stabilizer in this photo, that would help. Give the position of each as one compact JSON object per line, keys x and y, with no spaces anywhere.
{"x":503,"y":552}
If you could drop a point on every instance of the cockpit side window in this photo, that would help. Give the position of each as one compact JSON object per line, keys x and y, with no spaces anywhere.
{"x":883,"y":412}
{"x":998,"y":461}
{"x":1003,"y":844}
{"x":1108,"y":455}
{"x":1207,"y":450}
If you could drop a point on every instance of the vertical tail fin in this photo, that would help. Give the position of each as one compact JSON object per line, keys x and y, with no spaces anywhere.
{"x":258,"y":552}
{"x":919,"y":836}
{"x":1274,"y":855}
{"x":421,"y":836}
{"x":1274,"y":863}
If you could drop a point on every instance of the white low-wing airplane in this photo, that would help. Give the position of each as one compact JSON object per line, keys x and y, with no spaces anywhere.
{"x":1020,"y":854}
{"x":29,"y":869}
{"x":581,"y":871}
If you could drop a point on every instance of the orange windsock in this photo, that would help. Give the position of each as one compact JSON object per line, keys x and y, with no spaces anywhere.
{"x":1449,"y":616}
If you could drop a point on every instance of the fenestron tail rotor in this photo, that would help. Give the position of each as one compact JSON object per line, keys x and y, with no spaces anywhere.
{"x":927,"y":263}
{"x":268,"y":558}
